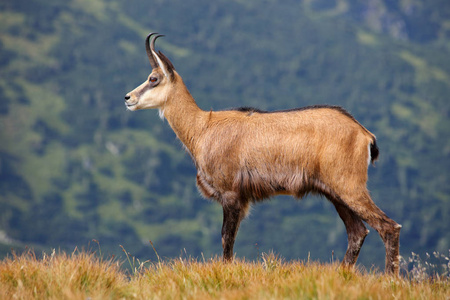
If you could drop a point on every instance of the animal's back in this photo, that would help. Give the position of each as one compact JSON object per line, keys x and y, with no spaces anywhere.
{"x":303,"y":131}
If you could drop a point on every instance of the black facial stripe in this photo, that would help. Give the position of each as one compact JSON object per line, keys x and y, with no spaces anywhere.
{"x":145,"y":89}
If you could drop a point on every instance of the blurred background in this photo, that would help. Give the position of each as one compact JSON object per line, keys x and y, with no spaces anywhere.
{"x":75,"y":166}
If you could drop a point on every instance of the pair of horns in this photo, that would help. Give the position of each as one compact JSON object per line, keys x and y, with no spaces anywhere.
{"x":150,"y":47}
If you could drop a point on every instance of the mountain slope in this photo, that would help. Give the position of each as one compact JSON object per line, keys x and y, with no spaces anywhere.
{"x":76,"y":166}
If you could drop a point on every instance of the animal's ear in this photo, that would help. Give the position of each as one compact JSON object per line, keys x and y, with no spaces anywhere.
{"x":158,"y":60}
{"x":166,"y":65}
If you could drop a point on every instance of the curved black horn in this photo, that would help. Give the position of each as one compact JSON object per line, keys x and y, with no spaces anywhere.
{"x":152,"y":43}
{"x":152,"y":60}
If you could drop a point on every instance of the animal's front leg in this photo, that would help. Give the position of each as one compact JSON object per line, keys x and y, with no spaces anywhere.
{"x":232,"y":216}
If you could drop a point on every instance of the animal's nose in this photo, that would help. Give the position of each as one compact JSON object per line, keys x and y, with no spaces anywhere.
{"x":127,"y":97}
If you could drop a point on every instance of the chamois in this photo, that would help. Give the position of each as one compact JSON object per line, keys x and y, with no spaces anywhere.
{"x":246,"y":155}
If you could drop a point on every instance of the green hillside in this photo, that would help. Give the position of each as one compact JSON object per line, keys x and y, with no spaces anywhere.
{"x":76,"y":166}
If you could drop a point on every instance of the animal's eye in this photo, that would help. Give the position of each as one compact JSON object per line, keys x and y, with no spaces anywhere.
{"x":153,"y":79}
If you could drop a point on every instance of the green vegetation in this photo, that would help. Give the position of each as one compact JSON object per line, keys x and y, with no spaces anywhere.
{"x":76,"y":166}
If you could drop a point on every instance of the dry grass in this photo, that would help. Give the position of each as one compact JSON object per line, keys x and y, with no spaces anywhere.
{"x":61,"y":276}
{"x":83,"y":275}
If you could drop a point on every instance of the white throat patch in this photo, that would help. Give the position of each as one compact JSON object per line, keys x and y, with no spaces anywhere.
{"x":161,"y":113}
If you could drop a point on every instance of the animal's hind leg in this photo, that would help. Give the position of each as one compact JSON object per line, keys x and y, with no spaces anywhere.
{"x":356,"y":233}
{"x":388,"y":229}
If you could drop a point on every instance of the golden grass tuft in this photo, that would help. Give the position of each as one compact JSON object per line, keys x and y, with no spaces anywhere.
{"x":61,"y":276}
{"x":83,"y":275}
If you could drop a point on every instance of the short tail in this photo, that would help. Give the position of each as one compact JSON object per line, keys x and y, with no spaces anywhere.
{"x":374,"y":151}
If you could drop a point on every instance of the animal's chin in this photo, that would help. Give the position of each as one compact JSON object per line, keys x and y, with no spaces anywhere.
{"x":132,"y":106}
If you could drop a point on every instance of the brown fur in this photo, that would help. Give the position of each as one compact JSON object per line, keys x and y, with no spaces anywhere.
{"x":246,"y":155}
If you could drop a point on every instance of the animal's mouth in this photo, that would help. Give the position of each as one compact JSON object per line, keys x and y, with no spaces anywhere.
{"x":131,"y":106}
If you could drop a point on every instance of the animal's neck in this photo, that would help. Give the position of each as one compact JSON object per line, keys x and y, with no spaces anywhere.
{"x":184,"y":116}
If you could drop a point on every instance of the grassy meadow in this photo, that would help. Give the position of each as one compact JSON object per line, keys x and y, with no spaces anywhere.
{"x":85,"y":275}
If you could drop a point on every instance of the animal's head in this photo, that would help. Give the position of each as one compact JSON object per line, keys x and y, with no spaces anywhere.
{"x":154,"y":91}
